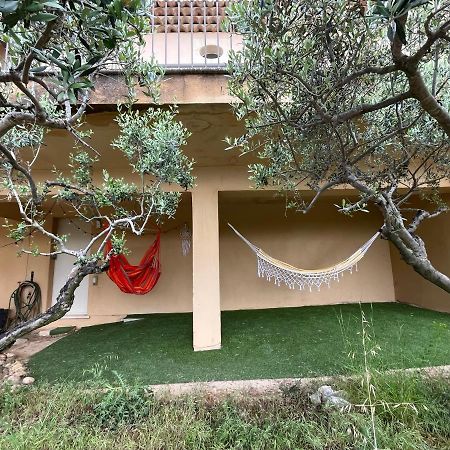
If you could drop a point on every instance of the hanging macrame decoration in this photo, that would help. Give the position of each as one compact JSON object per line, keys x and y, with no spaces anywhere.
{"x":186,"y":239}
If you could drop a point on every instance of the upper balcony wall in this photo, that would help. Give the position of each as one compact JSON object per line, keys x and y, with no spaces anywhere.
{"x":191,"y":34}
{"x":191,"y":41}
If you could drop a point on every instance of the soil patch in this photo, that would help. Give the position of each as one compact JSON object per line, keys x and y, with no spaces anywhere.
{"x":31,"y":344}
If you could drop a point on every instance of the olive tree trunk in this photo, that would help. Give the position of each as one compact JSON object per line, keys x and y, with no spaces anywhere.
{"x":63,"y":304}
{"x":410,"y":246}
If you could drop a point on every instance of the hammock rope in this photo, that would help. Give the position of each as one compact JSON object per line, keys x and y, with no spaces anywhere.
{"x":281,"y":272}
{"x":140,"y":279}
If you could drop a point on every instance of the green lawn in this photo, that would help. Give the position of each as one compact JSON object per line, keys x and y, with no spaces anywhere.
{"x":276,"y":343}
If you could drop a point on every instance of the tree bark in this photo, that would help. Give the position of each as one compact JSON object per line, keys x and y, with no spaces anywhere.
{"x":420,"y":92}
{"x":59,"y":309}
{"x":410,"y":246}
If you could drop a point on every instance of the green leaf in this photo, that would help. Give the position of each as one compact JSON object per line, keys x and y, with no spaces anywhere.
{"x":15,"y":37}
{"x":43,"y":17}
{"x":416,"y":3}
{"x":8,"y":6}
{"x":381,"y":10}
{"x":391,"y":31}
{"x":11,"y":20}
{"x":400,"y":7}
{"x":81,"y":84}
{"x":38,"y":69}
{"x":87,"y":72}
{"x":53,"y":5}
{"x":34,"y":7}
{"x":54,"y":60}
{"x":72,"y":97}
{"x":61,"y":97}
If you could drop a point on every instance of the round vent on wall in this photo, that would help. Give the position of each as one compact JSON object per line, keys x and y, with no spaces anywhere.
{"x":211,"y":52}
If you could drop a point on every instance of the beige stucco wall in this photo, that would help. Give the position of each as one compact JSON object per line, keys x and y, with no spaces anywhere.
{"x":410,"y":287}
{"x":173,"y":292}
{"x":14,"y":268}
{"x":319,"y":239}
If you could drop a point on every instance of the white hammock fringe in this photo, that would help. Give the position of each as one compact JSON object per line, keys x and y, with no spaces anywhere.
{"x":280,"y":272}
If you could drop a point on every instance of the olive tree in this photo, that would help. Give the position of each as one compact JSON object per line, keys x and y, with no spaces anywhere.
{"x":351,"y":94}
{"x":56,"y":52}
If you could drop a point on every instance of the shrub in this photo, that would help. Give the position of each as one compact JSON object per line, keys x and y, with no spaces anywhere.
{"x":121,"y":404}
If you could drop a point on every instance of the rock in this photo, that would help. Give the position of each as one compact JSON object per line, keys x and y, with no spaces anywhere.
{"x":325,"y":395}
{"x":17,"y":368}
{"x":326,"y":391}
{"x":28,"y":380}
{"x":10,"y":356}
{"x":14,"y":379}
{"x":21,"y":341}
{"x":2,"y":357}
{"x":337,"y":401}
{"x":316,"y":399}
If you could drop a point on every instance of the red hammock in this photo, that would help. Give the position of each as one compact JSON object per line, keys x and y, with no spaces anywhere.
{"x":139,"y":279}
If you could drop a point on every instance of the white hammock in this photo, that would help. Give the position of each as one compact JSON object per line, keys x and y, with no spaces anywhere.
{"x":271,"y":268}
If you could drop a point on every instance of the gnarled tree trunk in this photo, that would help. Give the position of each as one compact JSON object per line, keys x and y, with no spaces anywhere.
{"x":63,"y":304}
{"x":410,"y":246}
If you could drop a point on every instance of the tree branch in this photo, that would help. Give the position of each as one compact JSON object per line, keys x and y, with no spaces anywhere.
{"x":40,"y":43}
{"x":366,"y":71}
{"x":421,"y":215}
{"x":420,"y":92}
{"x":319,"y":192}
{"x":15,"y":165}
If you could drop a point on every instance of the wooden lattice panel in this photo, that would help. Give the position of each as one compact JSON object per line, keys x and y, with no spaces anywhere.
{"x":188,"y":16}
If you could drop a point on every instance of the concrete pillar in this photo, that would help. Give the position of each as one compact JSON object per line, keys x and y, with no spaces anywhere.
{"x":206,"y":282}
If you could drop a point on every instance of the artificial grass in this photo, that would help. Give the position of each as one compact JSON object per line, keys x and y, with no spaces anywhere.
{"x":274,"y":343}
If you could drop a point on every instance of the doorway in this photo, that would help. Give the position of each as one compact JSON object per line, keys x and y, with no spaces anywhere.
{"x":76,"y":239}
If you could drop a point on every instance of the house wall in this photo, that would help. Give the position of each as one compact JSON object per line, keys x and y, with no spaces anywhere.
{"x":172,"y":293}
{"x":184,"y":49}
{"x":412,"y":288}
{"x":321,"y":238}
{"x":14,"y":268}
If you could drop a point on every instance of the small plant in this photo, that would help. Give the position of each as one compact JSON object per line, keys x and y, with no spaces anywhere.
{"x":383,"y":394}
{"x":11,"y":399}
{"x":121,"y":404}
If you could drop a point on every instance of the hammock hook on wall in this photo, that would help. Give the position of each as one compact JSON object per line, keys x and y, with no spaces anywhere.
{"x":281,"y":272}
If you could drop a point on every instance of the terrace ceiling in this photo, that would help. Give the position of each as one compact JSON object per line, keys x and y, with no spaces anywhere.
{"x":208,"y":124}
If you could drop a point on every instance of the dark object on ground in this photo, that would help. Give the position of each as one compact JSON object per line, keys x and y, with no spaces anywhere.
{"x":4,"y":314}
